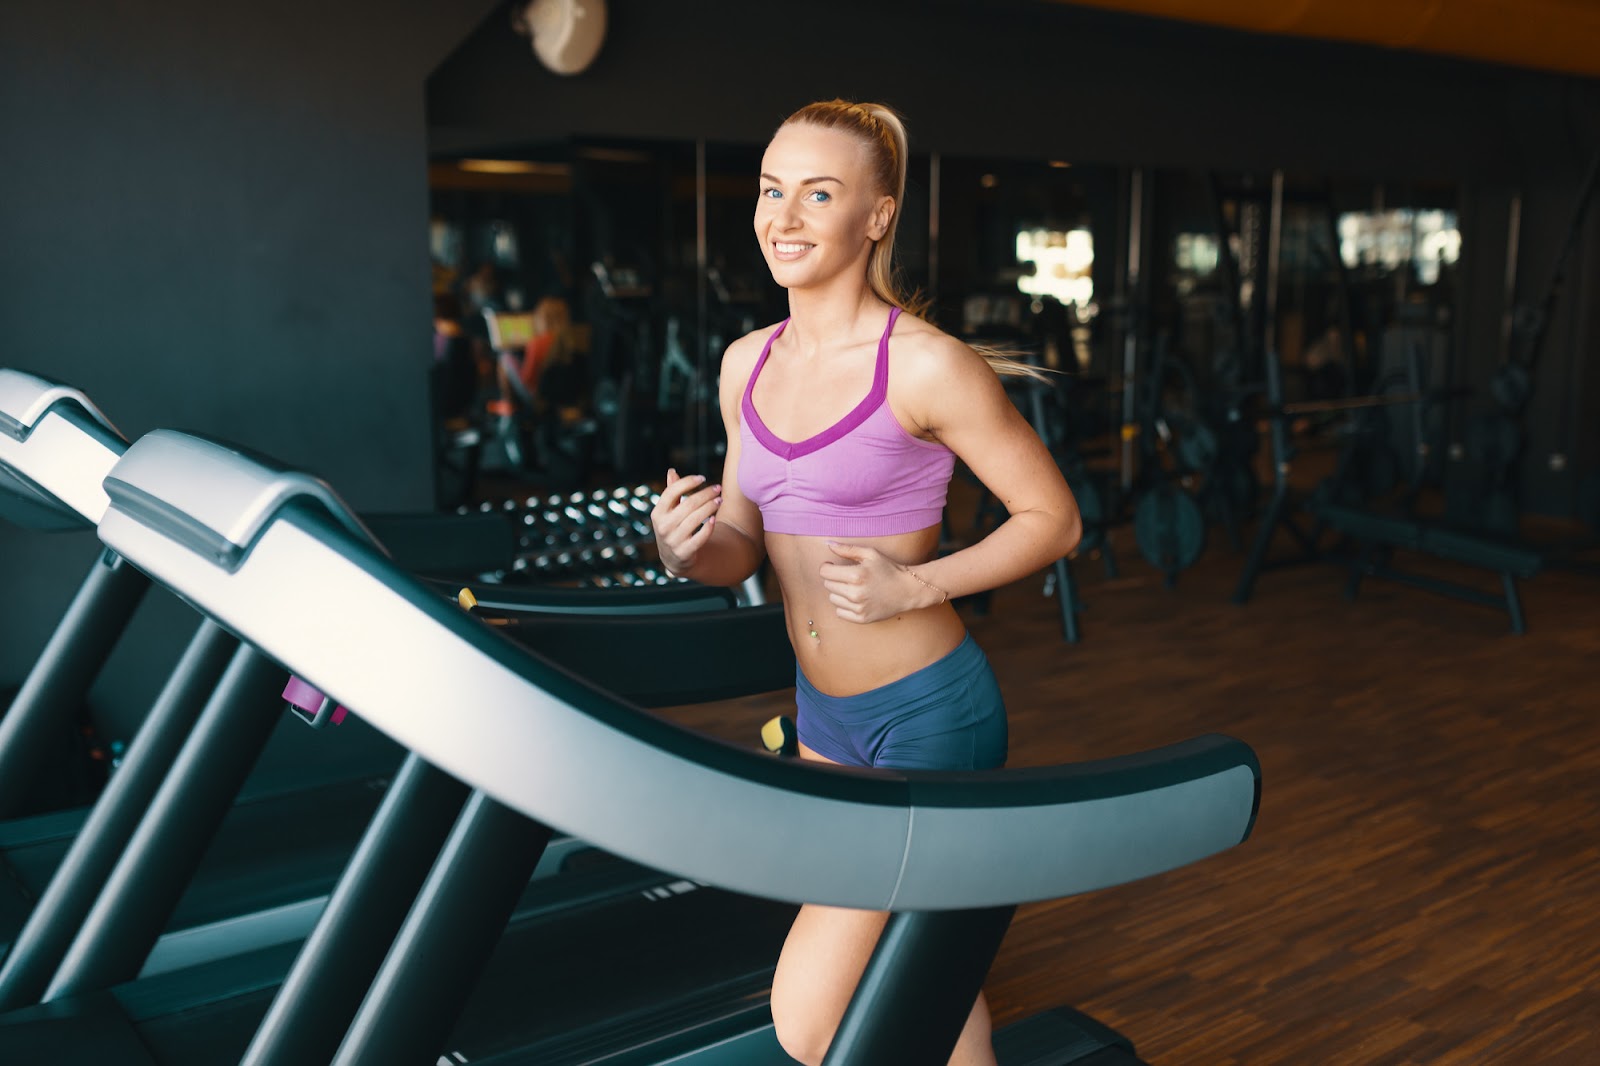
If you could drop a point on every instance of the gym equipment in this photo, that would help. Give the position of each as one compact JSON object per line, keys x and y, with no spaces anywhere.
{"x":605,"y":533}
{"x":624,"y":363}
{"x":763,"y":655}
{"x":602,"y":538}
{"x":532,"y":735}
{"x":57,"y":864}
{"x":1183,"y":454}
{"x":1378,"y":534}
{"x":60,"y":448}
{"x":514,"y":424}
{"x":55,"y":447}
{"x":112,"y":941}
{"x":1176,"y":448}
{"x":1375,"y":533}
{"x":213,"y":919}
{"x":1170,"y":529}
{"x":528,"y":431}
{"x":1486,"y":494}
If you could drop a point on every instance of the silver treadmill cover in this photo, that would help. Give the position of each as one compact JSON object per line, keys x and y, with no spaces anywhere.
{"x":465,"y":700}
{"x":55,"y":450}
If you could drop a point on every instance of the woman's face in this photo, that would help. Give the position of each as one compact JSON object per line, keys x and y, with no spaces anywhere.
{"x":818,"y":211}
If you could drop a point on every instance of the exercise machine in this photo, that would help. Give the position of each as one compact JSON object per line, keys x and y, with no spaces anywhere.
{"x":531,"y":740}
{"x":55,"y":447}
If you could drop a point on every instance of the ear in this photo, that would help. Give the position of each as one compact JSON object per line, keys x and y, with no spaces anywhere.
{"x":882,"y":215}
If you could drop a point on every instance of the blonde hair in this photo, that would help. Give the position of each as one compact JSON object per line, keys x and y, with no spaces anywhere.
{"x":882,"y":132}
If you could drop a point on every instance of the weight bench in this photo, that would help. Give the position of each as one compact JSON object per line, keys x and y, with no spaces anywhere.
{"x":1372,"y":530}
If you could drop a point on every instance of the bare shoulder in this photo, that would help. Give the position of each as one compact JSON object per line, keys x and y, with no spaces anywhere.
{"x":924,"y":359}
{"x":739,"y":360}
{"x":742,"y":353}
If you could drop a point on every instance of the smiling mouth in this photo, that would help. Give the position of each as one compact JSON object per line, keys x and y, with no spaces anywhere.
{"x":790,"y":249}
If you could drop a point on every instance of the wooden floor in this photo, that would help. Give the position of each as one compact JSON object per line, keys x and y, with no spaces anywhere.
{"x":1423,"y":885}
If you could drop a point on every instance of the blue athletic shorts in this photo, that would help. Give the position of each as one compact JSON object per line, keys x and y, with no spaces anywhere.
{"x":946,"y":716}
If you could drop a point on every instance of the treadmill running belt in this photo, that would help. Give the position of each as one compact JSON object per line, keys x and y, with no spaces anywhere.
{"x":570,"y":991}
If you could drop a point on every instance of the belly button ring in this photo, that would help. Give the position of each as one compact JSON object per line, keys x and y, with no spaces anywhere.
{"x":813,"y":627}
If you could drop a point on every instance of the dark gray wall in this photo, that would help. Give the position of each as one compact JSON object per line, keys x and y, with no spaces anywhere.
{"x":214,"y":217}
{"x":1036,"y":79}
{"x":1025,"y":78}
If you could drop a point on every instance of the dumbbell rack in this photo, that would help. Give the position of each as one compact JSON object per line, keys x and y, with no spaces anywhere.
{"x":600,"y":538}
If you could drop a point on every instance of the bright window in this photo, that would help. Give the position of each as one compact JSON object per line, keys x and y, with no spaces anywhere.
{"x":1063,"y":262}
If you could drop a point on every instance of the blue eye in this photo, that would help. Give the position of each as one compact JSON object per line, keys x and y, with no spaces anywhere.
{"x":822,"y":197}
{"x":771,"y":194}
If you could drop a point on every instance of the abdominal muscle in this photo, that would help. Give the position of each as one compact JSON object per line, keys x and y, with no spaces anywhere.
{"x":846,"y":658}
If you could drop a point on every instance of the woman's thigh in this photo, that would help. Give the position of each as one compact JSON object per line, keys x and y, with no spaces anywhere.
{"x":822,"y":962}
{"x":823,"y":959}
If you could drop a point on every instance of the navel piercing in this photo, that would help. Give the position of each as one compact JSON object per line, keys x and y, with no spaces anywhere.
{"x":813,"y":627}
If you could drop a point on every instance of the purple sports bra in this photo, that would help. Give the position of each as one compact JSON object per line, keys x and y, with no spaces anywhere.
{"x":864,"y":476}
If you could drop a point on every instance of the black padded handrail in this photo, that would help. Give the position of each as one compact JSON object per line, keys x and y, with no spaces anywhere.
{"x":665,"y":656}
{"x":232,"y":537}
{"x":633,"y":599}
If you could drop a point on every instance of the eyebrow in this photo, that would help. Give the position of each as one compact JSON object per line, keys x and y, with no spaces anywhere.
{"x":809,"y":181}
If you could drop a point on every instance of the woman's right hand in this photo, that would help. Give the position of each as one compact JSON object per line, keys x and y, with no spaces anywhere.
{"x":683,"y":518}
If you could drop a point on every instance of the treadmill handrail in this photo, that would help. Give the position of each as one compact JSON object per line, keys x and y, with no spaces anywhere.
{"x":217,"y":497}
{"x":755,"y":656}
{"x":593,"y":600}
{"x":55,"y":449}
{"x":569,"y":754}
{"x":25,"y":398}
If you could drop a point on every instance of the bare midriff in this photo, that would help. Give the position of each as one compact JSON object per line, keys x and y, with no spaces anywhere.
{"x":846,"y":658}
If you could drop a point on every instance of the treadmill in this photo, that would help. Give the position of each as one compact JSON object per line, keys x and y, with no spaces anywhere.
{"x":948,"y":854}
{"x":55,"y":449}
{"x":260,"y":886}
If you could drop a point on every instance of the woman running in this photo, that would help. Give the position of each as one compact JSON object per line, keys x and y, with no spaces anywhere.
{"x":844,"y":423}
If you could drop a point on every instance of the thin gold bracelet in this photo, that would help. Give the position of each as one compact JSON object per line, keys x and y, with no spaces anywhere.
{"x":935,"y":588}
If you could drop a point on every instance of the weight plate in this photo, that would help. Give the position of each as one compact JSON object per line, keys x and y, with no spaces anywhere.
{"x":1169,"y":528}
{"x":1197,"y":445}
{"x":1511,"y":386}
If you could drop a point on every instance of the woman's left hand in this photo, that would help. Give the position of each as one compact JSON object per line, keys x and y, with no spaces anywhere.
{"x":868,"y":586}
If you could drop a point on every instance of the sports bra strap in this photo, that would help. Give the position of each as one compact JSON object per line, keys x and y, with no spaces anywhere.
{"x":880,"y":376}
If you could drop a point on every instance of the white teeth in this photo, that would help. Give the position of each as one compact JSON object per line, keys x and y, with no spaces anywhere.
{"x":789,"y":249}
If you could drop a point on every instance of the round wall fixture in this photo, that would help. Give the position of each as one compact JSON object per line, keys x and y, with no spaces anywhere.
{"x":566,"y":34}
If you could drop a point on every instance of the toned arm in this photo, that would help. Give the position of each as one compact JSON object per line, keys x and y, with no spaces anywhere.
{"x":953,"y":394}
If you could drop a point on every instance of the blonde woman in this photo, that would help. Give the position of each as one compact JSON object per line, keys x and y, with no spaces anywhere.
{"x":844,"y":423}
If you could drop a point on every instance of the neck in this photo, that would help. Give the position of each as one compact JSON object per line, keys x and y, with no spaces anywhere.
{"x":823,"y":317}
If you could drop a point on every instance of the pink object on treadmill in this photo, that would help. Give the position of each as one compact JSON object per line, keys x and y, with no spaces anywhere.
{"x":309,"y":699}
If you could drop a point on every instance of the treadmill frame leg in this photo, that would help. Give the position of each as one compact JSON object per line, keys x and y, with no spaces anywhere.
{"x":447,"y":938}
{"x":315,"y":1006}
